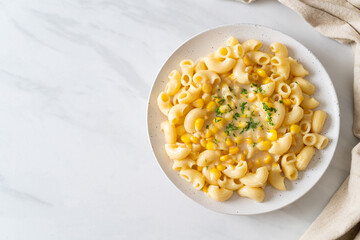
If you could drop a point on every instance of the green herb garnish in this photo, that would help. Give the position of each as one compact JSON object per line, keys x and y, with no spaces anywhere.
{"x":236,"y":116}
{"x":230,"y":128}
{"x":242,"y":107}
{"x":244,"y":91}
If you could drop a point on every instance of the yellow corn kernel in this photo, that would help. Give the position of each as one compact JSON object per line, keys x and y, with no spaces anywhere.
{"x":247,"y":61}
{"x":246,"y":114}
{"x":210,"y":139}
{"x":269,"y":104}
{"x":199,"y":123}
{"x":199,"y":168}
{"x":264,"y":145}
{"x":249,"y":141}
{"x":220,"y":167}
{"x":242,"y":157}
{"x":233,"y":150}
{"x":267,"y":80}
{"x":189,"y":145}
{"x":272,"y":135}
{"x":214,"y":129}
{"x":259,"y":139}
{"x":223,"y":108}
{"x":228,"y":116}
{"x":225,"y":134}
{"x":251,"y":97}
{"x":260,"y":96}
{"x":241,"y":124}
{"x":232,"y":104}
{"x":286,"y":101}
{"x":208,"y":133}
{"x":185,"y":138}
{"x":211,"y":146}
{"x":194,"y":139}
{"x":238,"y":139}
{"x":224,"y":158}
{"x":261,"y":72}
{"x":294,"y":128}
{"x":258,"y":163}
{"x":203,"y":142}
{"x":219,"y":124}
{"x":268,"y":159}
{"x":180,"y":130}
{"x":205,"y":189}
{"x":211,"y":106}
{"x":219,"y":101}
{"x":266,"y":99}
{"x":217,"y":120}
{"x":198,"y":103}
{"x":246,"y":152}
{"x":232,"y":77}
{"x":275,"y":165}
{"x":215,"y":173}
{"x":207,"y":88}
{"x":229,"y":142}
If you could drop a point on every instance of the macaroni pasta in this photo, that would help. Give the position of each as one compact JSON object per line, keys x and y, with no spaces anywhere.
{"x":240,"y":118}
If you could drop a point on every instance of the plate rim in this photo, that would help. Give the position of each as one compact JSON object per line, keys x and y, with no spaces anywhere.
{"x":253,"y":25}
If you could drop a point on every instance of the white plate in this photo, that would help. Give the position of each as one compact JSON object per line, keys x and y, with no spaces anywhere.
{"x":202,"y":45}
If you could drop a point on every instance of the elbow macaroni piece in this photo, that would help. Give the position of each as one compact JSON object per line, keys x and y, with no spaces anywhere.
{"x":191,"y":117}
{"x":193,"y":176}
{"x":207,"y":157}
{"x":169,"y":132}
{"x":294,"y":116}
{"x":275,"y":178}
{"x":304,"y":157}
{"x":255,"y":193}
{"x":219,"y":194}
{"x":282,"y":145}
{"x":318,"y":121}
{"x":177,"y":151}
{"x":258,"y":57}
{"x":240,"y":118}
{"x":183,"y":164}
{"x":218,"y":66}
{"x":309,"y":103}
{"x":239,"y":74}
{"x":164,"y":103}
{"x":279,"y":49}
{"x":282,"y":66}
{"x":251,"y":45}
{"x":257,"y":179}
{"x":288,"y":166}
{"x":237,"y":171}
{"x":297,"y":69}
{"x":268,"y":89}
{"x":230,"y":183}
{"x":177,"y":112}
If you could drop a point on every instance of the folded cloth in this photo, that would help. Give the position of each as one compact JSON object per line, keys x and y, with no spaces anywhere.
{"x":340,"y":219}
{"x":340,"y":20}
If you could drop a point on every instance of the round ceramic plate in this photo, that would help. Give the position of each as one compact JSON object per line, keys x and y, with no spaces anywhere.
{"x":209,"y":41}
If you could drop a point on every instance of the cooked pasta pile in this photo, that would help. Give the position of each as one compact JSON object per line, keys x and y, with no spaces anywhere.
{"x":240,"y":118}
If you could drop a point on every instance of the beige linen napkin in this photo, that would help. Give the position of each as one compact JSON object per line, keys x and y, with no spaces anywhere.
{"x":340,"y":20}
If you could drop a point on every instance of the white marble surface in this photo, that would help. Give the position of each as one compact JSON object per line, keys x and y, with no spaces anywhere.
{"x":75,"y":162}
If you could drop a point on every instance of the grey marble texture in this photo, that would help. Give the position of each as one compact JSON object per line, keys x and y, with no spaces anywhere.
{"x":75,"y":162}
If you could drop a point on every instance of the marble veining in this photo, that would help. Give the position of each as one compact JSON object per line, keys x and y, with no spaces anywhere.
{"x":75,"y":160}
